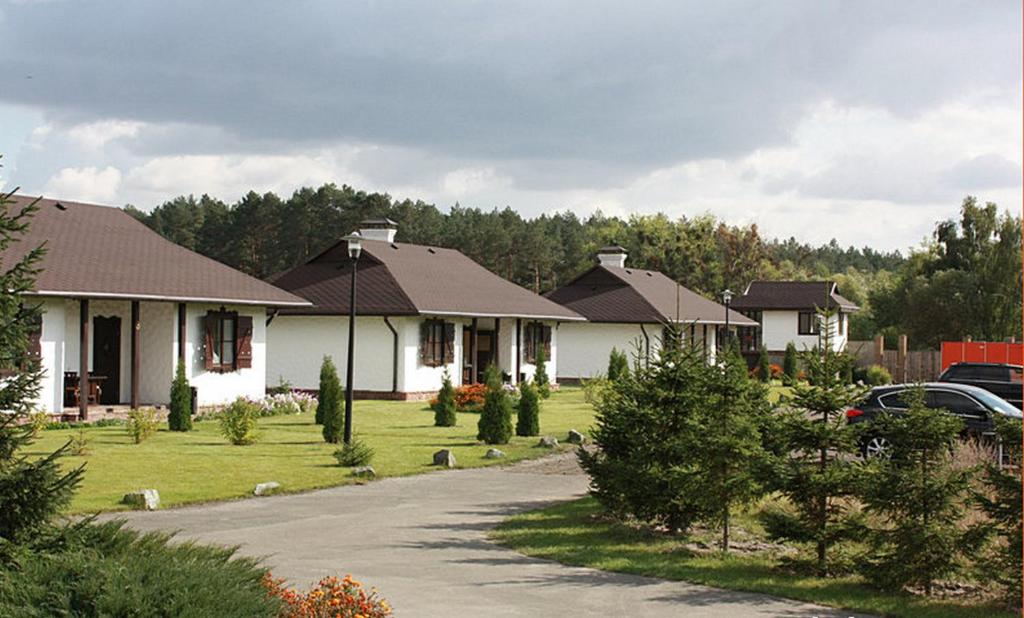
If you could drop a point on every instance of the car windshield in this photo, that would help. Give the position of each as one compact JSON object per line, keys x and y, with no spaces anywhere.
{"x":996,"y":403}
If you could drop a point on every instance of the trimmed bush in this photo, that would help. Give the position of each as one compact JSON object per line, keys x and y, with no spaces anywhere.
{"x":141,"y":425}
{"x":764,"y":367}
{"x":528,"y":415}
{"x":179,"y":417}
{"x":355,"y":453}
{"x":877,"y":375}
{"x":444,"y":405}
{"x":238,"y":422}
{"x":789,"y":368}
{"x":329,"y":397}
{"x":540,"y":376}
{"x":618,"y":365}
{"x":495,"y":425}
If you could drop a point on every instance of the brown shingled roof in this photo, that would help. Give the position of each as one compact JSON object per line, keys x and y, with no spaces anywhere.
{"x":631,"y":295}
{"x":405,"y":279}
{"x":103,"y":252}
{"x":762,"y":295}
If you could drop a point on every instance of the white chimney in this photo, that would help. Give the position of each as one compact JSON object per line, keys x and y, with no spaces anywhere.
{"x":612,"y":256}
{"x":378,"y":229}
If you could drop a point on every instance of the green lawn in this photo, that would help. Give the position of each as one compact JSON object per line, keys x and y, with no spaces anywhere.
{"x":575,"y":533}
{"x":200,"y":465}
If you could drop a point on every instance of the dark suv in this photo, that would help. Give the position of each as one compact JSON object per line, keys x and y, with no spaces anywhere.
{"x":976,"y":406}
{"x":1007,"y":381}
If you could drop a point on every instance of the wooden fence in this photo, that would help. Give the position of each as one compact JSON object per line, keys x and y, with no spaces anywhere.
{"x":904,"y":365}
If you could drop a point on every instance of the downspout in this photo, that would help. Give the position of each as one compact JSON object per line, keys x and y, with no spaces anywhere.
{"x":394,"y":356}
{"x":647,"y":346}
{"x":271,"y":315}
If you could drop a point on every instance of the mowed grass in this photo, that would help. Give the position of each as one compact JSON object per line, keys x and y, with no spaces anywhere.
{"x":575,"y":533}
{"x":200,"y":465}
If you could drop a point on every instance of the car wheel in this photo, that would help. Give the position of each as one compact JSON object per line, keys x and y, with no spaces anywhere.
{"x":877,"y":447}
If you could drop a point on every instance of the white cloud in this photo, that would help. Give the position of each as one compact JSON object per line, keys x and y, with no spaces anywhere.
{"x":87,"y":184}
{"x":96,"y":135}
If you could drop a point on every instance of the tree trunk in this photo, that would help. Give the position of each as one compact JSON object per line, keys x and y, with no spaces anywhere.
{"x":725,"y":529}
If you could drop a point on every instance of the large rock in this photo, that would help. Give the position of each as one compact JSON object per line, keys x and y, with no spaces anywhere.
{"x":493,"y":453}
{"x":444,"y":458}
{"x":143,"y":499}
{"x":576,"y":437}
{"x":548,"y":442}
{"x":364,"y":472}
{"x":265,"y":489}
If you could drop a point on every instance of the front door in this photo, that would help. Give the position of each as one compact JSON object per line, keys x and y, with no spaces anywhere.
{"x":484,"y":352}
{"x":106,"y":357}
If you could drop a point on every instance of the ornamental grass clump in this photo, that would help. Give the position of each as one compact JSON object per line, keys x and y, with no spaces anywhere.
{"x":141,"y":425}
{"x":238,"y":422}
{"x":495,"y":425}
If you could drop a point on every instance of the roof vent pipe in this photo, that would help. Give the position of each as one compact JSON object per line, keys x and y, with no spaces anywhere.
{"x":378,"y":229}
{"x":612,"y":256}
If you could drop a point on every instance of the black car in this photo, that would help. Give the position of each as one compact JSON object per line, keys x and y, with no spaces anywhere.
{"x":1007,"y":381}
{"x":976,"y":406}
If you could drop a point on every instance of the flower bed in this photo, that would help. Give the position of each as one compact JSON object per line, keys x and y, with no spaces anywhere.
{"x":333,"y":597}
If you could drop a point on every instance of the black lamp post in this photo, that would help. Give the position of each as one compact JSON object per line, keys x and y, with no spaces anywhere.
{"x":727,"y":297}
{"x":355,"y":247}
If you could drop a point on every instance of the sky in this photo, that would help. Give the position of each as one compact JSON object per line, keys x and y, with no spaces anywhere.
{"x":867,"y":121}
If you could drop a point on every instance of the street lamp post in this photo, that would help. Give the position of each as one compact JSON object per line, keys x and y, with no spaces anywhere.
{"x":727,"y":297}
{"x":355,"y":247}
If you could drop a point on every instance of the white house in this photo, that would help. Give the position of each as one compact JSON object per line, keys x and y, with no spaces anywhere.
{"x":121,"y":306}
{"x":787,"y":312}
{"x":628,"y":309}
{"x":420,"y":310}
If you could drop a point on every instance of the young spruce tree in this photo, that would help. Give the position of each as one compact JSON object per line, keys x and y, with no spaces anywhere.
{"x":33,"y":489}
{"x":495,"y":425}
{"x":1001,"y":501}
{"x":540,"y":376}
{"x":528,"y":413}
{"x":444,"y":409}
{"x":815,"y":468}
{"x":920,"y":497}
{"x":179,"y":414}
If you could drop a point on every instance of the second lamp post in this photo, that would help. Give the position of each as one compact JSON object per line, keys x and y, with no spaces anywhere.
{"x":355,"y":247}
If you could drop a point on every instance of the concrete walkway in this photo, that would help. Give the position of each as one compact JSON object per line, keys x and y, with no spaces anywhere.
{"x":422,"y":541}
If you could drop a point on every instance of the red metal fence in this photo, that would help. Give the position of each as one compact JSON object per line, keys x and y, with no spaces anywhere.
{"x":981,"y":352}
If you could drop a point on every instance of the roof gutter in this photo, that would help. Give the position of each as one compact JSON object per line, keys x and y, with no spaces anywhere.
{"x":175,"y":299}
{"x":527,"y":316}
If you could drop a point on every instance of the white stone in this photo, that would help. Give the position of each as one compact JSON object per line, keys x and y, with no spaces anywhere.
{"x":143,"y":499}
{"x":265,"y":489}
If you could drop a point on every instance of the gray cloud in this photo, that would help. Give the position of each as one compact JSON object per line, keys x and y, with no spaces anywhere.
{"x":633,"y":86}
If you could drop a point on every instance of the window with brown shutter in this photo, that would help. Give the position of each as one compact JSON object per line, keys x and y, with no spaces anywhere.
{"x":437,"y":343}
{"x":223,"y":344}
{"x":536,"y":337}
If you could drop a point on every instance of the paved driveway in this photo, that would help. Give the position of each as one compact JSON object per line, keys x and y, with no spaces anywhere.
{"x":422,"y":541}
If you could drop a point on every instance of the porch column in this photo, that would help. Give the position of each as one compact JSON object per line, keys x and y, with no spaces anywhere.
{"x":182,"y":318}
{"x":497,"y":343}
{"x":519,"y":351}
{"x":83,"y":359}
{"x":474,"y":347}
{"x":136,"y":326}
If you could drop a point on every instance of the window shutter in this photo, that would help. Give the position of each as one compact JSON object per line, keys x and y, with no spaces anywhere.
{"x":546,"y":334}
{"x":34,"y":351}
{"x":449,"y":342}
{"x":425,"y":342}
{"x":208,"y":326}
{"x":243,"y":342}
{"x":527,"y":343}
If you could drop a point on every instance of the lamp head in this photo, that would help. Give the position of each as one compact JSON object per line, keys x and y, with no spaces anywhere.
{"x":727,"y":296}
{"x":355,"y":245}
